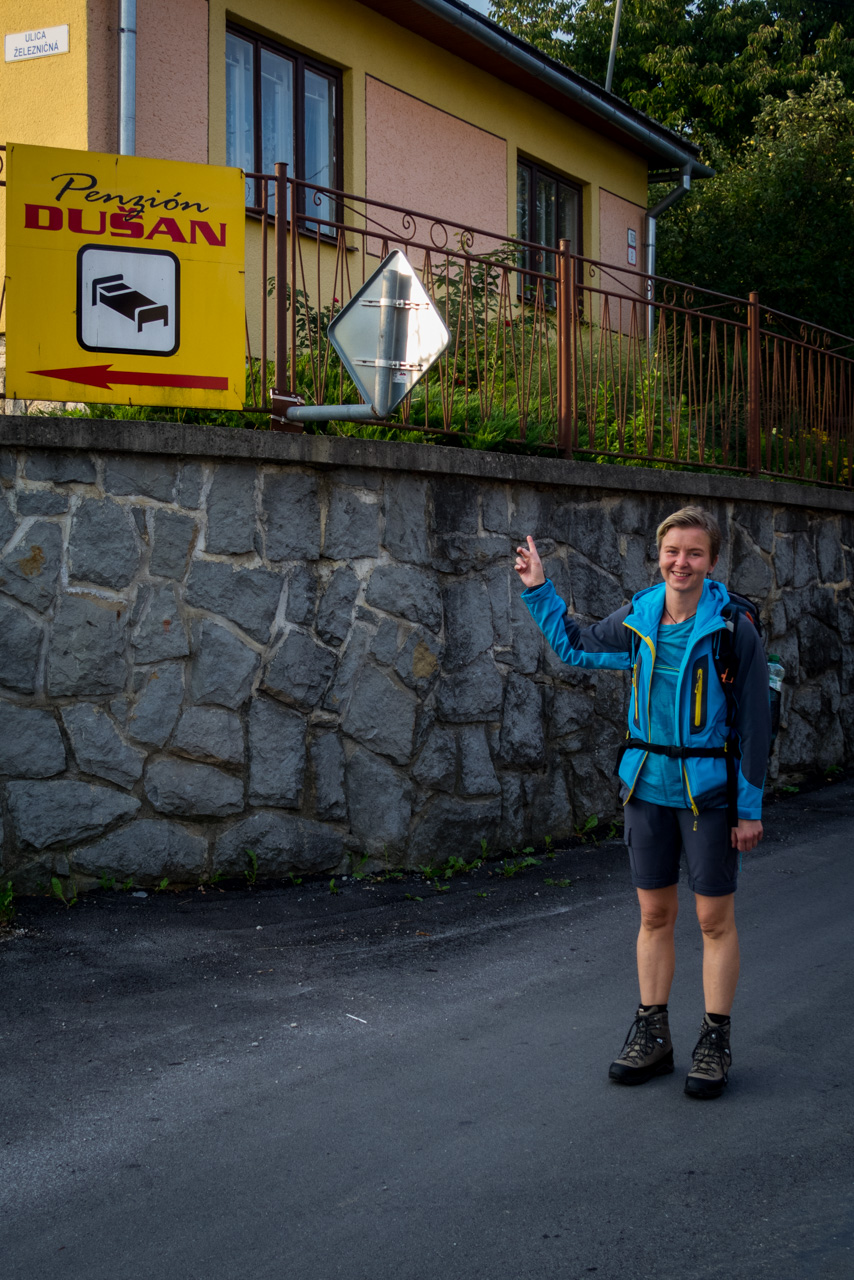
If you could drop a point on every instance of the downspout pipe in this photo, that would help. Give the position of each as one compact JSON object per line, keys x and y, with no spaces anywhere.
{"x":652,"y":216}
{"x":127,"y":77}
{"x":489,"y":34}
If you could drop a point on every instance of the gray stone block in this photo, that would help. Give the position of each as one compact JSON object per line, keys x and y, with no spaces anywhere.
{"x":352,"y":526}
{"x":477,"y":773}
{"x":791,"y":520}
{"x":758,"y":520}
{"x":357,"y":477}
{"x":455,"y":505}
{"x":806,"y":565}
{"x":588,"y":528}
{"x":174,"y":538}
{"x":30,"y":570}
{"x":30,"y":743}
{"x":419,"y":662}
{"x":515,"y":812}
{"x":749,"y":574}
{"x":210,"y":734}
{"x":291,"y":509}
{"x":146,"y":477}
{"x":819,"y":645}
{"x":99,"y":747}
{"x":784,"y":561}
{"x":407,"y":526}
{"x":300,"y":670}
{"x":528,"y":641}
{"x":302,"y":595}
{"x":594,"y":593}
{"x":103,"y":547}
{"x":474,"y":692}
{"x":828,"y":545}
{"x":8,"y":466}
{"x":530,"y":513}
{"x":384,"y":646}
{"x":340,"y":691}
{"x":276,"y":755}
{"x":87,"y":648}
{"x":195,"y":790}
{"x":281,"y":843}
{"x":146,"y":851}
{"x":501,"y":584}
{"x":48,"y":813}
{"x":158,"y":704}
{"x":571,"y":712}
{"x":190,"y":483}
{"x":460,"y":553}
{"x":453,"y":828}
{"x":20,"y":647}
{"x":495,"y":510}
{"x":231,"y":510}
{"x":247,"y":597}
{"x":8,"y":523}
{"x":523,"y":740}
{"x":406,"y":592}
{"x":335,"y":610}
{"x":551,"y":811}
{"x":223,"y":667}
{"x":381,"y":715}
{"x":436,"y":766}
{"x":160,"y":632}
{"x":468,"y":622}
{"x":60,"y":468}
{"x":41,"y":502}
{"x":379,"y":800}
{"x":327,"y":766}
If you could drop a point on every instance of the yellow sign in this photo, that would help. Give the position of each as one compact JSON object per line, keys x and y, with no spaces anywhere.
{"x":125,"y":280}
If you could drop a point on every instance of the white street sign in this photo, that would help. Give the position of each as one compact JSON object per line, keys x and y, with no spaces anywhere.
{"x":128,"y":300}
{"x":389,"y":334}
{"x":40,"y":42}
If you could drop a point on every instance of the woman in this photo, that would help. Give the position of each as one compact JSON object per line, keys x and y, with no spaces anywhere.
{"x":674,"y":773}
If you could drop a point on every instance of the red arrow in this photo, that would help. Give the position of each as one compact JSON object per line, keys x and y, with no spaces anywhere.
{"x":100,"y":375}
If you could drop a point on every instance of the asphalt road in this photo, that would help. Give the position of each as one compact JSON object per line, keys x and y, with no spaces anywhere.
{"x":294,"y":1084}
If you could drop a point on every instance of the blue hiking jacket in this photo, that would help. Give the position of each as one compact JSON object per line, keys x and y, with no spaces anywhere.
{"x":701,"y":708}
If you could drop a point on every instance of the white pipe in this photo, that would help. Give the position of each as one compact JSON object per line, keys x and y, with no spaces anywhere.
{"x":331,"y":413}
{"x":652,"y":216}
{"x":127,"y":77}
{"x":615,"y":36}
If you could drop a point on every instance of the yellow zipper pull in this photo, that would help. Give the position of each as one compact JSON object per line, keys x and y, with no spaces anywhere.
{"x":698,"y":697}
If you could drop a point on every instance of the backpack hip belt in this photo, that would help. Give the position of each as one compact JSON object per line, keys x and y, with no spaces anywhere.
{"x":728,"y":752}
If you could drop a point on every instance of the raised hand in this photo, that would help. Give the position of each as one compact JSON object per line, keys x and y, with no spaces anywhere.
{"x":528,"y":564}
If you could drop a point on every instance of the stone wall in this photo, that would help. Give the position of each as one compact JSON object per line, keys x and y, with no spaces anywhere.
{"x":216,"y":641}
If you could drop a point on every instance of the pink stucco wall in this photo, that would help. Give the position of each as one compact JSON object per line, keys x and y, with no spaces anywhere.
{"x":422,"y":158}
{"x":172,"y":80}
{"x":616,"y":218}
{"x":102,"y":70}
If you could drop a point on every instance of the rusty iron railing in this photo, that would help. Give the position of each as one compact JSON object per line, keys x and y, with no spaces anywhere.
{"x":578,"y":357}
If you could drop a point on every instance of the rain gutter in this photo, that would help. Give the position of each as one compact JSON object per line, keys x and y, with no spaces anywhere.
{"x":490,"y":35}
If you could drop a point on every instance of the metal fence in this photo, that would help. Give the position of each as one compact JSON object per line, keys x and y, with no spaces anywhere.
{"x":553,"y":351}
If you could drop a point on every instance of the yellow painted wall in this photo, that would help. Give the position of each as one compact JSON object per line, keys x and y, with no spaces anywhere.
{"x":361,"y":42}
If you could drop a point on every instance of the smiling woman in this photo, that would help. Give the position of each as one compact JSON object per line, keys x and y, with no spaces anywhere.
{"x":692,"y":772}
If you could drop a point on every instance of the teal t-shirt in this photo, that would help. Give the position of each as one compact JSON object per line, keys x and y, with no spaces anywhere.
{"x":661,"y":780}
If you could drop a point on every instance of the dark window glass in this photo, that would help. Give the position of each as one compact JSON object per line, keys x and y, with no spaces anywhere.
{"x":281,"y":108}
{"x":548,"y":210}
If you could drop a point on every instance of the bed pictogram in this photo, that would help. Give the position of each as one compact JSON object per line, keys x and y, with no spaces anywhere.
{"x":115,"y":292}
{"x":128,"y":300}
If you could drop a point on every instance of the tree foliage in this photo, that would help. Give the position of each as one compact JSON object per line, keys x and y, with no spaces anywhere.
{"x":702,"y":68}
{"x":779,"y":216}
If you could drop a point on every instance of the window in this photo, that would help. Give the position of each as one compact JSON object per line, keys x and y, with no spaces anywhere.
{"x":280,"y":106}
{"x":548,"y":210}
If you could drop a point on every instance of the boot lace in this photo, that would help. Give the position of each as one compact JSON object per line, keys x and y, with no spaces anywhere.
{"x":640,"y":1041}
{"x":712,"y":1057}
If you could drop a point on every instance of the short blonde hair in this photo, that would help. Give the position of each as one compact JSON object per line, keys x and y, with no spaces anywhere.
{"x":692,"y":518}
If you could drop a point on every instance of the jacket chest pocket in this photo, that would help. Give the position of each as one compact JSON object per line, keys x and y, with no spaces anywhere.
{"x":699,"y":694}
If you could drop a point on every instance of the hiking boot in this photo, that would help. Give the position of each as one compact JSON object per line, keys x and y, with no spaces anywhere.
{"x":648,"y":1050}
{"x":712,"y":1061}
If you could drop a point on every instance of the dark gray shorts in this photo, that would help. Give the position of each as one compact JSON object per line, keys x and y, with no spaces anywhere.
{"x":656,"y":837}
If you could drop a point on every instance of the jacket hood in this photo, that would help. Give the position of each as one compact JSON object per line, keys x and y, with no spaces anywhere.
{"x":647,"y":605}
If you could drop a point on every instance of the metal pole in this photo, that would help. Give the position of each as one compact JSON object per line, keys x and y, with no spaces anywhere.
{"x":331,"y":413}
{"x":753,"y":385}
{"x":391,"y":339}
{"x":615,"y":36}
{"x":565,"y":337}
{"x":127,"y":77}
{"x":281,"y":278}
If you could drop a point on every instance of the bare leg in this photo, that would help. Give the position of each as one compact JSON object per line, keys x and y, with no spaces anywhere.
{"x":656,"y":952}
{"x":720,"y":951}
